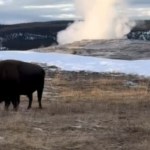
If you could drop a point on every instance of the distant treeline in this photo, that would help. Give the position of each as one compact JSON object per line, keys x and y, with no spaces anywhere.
{"x":42,"y":34}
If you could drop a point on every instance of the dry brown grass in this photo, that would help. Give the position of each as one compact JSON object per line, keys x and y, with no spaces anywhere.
{"x":99,"y":112}
{"x":109,"y":88}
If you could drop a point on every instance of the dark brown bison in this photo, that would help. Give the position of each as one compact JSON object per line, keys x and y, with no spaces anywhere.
{"x":20,"y":78}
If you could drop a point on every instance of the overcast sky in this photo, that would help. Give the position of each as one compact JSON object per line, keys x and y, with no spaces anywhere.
{"x":16,"y":11}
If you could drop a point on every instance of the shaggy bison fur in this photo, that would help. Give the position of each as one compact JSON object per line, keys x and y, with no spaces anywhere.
{"x":20,"y":78}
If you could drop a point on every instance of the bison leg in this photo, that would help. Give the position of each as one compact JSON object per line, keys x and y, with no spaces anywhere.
{"x":18,"y":100}
{"x":30,"y":100}
{"x":15,"y":102}
{"x":39,"y":92}
{"x":7,"y":103}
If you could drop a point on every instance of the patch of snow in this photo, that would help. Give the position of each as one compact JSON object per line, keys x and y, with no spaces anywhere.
{"x":71,"y":62}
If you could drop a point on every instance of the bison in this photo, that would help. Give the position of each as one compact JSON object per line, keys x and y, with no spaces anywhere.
{"x":20,"y":78}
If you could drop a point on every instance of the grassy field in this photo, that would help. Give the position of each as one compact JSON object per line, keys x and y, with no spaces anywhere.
{"x":85,"y":111}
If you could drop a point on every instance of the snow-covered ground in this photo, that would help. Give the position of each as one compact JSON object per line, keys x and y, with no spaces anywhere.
{"x":81,"y":63}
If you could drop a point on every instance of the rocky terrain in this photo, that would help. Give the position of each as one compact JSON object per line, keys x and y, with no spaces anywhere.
{"x":115,"y":49}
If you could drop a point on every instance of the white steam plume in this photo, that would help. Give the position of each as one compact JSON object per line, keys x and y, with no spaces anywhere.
{"x":102,"y":19}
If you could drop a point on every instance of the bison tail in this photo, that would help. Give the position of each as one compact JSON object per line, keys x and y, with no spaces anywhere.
{"x":40,"y":91}
{"x":39,"y":94}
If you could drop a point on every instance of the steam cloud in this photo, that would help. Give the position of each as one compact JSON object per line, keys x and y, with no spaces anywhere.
{"x":102,"y":19}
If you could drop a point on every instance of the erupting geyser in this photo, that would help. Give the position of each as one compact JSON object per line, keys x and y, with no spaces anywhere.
{"x":102,"y":19}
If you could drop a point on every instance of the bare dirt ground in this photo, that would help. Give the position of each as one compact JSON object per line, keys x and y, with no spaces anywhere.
{"x":85,"y":111}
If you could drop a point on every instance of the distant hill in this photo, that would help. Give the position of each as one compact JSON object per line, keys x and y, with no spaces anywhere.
{"x":142,"y":25}
{"x":42,"y":34}
{"x":30,"y":35}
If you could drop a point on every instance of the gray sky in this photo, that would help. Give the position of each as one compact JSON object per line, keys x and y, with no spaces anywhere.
{"x":16,"y":11}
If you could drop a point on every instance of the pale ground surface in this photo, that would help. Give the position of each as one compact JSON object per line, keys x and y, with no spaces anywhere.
{"x":114,"y":49}
{"x":84,"y":111}
{"x":88,"y":111}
